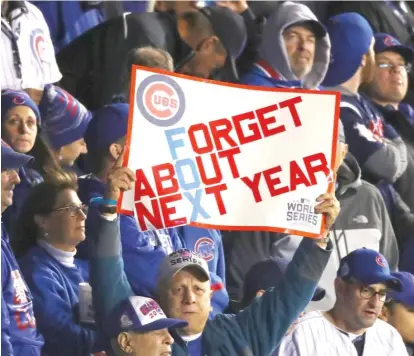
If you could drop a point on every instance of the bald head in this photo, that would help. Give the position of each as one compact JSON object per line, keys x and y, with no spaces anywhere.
{"x":150,"y":57}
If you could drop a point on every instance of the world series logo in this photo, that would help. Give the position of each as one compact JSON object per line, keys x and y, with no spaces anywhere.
{"x":160,"y":100}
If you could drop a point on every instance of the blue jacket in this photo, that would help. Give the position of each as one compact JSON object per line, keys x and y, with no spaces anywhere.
{"x":257,"y":330}
{"x":208,"y":243}
{"x":55,"y":288}
{"x":142,"y":251}
{"x":28,"y":179}
{"x":261,"y":77}
{"x":365,"y":130}
{"x":19,"y":335}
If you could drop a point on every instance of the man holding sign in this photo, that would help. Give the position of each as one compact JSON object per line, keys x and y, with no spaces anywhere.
{"x":184,"y":287}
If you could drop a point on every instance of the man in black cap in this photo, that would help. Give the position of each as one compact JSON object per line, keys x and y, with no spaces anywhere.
{"x":95,"y":75}
{"x":217,"y":37}
{"x":266,"y":274}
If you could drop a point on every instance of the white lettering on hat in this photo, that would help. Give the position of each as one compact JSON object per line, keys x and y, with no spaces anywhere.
{"x":147,"y":310}
{"x":125,"y":321}
{"x":345,"y":269}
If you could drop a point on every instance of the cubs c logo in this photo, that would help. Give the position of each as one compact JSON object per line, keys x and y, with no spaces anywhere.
{"x":205,"y":247}
{"x":39,"y":45}
{"x":389,"y":41}
{"x":18,"y":100}
{"x":160,"y":100}
{"x":381,"y":261}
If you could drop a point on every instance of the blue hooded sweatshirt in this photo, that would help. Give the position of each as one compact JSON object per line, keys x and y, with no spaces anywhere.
{"x":55,"y":288}
{"x":273,"y":69}
{"x":19,"y":335}
{"x":208,"y":243}
{"x":142,"y":251}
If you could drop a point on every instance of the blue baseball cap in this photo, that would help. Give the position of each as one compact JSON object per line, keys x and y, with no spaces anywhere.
{"x":11,"y":159}
{"x":108,"y":124}
{"x":266,"y":274}
{"x":406,"y":295}
{"x":139,"y":314}
{"x":368,"y":267}
{"x":351,"y":36}
{"x":385,"y":42}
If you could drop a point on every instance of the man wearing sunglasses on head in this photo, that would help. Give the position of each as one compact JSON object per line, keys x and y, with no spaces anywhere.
{"x":352,"y":326}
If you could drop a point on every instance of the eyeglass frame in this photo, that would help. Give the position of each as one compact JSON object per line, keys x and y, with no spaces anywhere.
{"x":385,"y":298}
{"x":191,"y":55}
{"x":408,"y":66}
{"x":73,"y":210}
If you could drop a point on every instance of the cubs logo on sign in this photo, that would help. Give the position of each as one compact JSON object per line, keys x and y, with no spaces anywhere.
{"x":381,"y":261}
{"x":205,"y":247}
{"x":160,"y":100}
{"x":39,"y":45}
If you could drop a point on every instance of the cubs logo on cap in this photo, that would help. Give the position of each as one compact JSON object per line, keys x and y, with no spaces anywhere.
{"x":367,"y":267}
{"x":160,"y":100}
{"x":139,"y":314}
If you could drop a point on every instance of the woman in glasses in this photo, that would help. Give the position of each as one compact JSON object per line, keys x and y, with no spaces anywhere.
{"x":51,"y":225}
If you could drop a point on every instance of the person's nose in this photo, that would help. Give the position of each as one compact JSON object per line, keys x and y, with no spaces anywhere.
{"x":168,"y":339}
{"x":23,"y":128}
{"x":84,"y":147}
{"x":189,"y":297}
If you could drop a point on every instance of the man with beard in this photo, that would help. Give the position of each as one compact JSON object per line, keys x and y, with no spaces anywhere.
{"x":352,"y":326}
{"x":379,"y":150}
{"x":294,"y":51}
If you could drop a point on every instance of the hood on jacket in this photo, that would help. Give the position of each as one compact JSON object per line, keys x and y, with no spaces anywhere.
{"x":273,"y":49}
{"x":348,"y":177}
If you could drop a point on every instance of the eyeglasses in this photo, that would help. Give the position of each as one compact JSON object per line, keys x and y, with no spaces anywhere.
{"x":74,"y":210}
{"x":192,"y":53}
{"x":389,"y":66}
{"x":369,"y":292}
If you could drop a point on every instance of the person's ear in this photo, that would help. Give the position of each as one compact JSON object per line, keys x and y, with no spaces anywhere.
{"x":384,"y":314}
{"x":40,"y":221}
{"x":124,"y":342}
{"x":260,"y":293}
{"x":115,"y":150}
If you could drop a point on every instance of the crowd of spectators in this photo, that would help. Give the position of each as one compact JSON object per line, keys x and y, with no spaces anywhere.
{"x":79,"y":279}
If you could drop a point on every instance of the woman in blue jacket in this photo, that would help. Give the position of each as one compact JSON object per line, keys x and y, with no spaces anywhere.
{"x":20,"y":129}
{"x":51,"y":225}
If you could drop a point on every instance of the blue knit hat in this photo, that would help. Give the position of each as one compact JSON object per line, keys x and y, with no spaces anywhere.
{"x":65,"y":119}
{"x":12,"y":98}
{"x":351,"y":36}
{"x":108,"y":124}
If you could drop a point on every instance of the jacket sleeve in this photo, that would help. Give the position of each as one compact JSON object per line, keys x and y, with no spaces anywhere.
{"x":381,"y":160}
{"x":106,"y":267}
{"x":388,"y":243}
{"x":220,"y":298}
{"x":55,"y":318}
{"x":6,"y":346}
{"x":221,"y":263}
{"x":254,"y":27}
{"x":266,"y":320}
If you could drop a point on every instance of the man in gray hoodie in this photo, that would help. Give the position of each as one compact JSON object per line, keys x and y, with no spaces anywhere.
{"x":295,"y":50}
